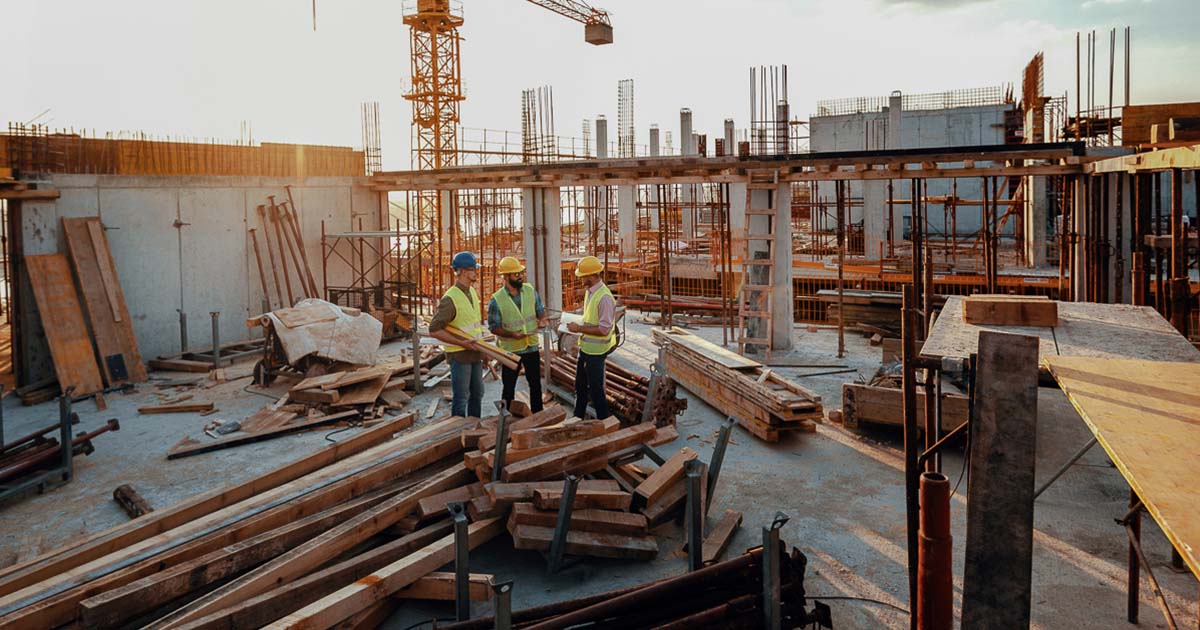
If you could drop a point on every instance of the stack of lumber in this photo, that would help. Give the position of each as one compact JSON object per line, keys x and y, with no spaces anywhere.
{"x":626,"y":391}
{"x":763,"y":402}
{"x":288,"y":543}
{"x":727,"y":594}
{"x":873,"y":310}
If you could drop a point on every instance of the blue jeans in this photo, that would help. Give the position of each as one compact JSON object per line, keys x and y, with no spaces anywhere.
{"x":466,"y":386}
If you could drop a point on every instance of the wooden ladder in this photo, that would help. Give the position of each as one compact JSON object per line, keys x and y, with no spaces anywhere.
{"x":754,"y":299}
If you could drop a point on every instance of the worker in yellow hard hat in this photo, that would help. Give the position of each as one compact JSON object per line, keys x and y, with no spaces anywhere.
{"x":515,"y":313}
{"x":597,"y":338}
{"x":459,"y":308}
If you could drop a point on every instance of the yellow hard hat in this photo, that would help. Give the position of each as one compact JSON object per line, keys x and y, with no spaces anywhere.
{"x":508,"y":264}
{"x":588,"y":265}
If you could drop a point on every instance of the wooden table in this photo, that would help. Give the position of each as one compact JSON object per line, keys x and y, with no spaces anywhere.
{"x":1085,"y":329}
{"x":1146,"y":415}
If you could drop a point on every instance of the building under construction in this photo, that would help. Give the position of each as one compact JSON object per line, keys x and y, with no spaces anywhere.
{"x":883,"y":338}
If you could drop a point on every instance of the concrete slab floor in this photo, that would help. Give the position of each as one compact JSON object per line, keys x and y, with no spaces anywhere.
{"x":842,"y":490}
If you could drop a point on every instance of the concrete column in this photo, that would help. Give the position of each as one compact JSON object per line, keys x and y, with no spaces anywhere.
{"x":781,"y":283}
{"x":1078,"y":280}
{"x":446,"y":206}
{"x":601,"y":137}
{"x":730,"y":143}
{"x":627,"y":219}
{"x":542,"y":217}
{"x":686,"y":146}
{"x":874,"y":217}
{"x":595,"y":195}
{"x":781,"y":294}
{"x":895,"y":114}
{"x":1034,"y":222}
{"x":654,"y":152}
{"x":737,"y":219}
{"x":782,"y":114}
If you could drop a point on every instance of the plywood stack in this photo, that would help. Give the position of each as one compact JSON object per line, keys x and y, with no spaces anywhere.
{"x":763,"y":402}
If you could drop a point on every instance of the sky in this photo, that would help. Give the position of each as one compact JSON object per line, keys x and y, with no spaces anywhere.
{"x":203,"y":68}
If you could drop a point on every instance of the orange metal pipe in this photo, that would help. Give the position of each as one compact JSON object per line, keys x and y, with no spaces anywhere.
{"x":935,"y":574}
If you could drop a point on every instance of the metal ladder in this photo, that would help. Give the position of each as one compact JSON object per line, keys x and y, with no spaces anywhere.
{"x":754,"y":300}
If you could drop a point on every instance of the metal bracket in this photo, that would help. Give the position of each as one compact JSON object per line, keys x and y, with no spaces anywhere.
{"x":718,"y":458}
{"x":649,"y":451}
{"x":462,"y":569}
{"x":502,"y":605}
{"x":695,"y":516}
{"x":657,"y":371}
{"x":216,"y":338}
{"x":558,"y":546}
{"x":501,"y":441}
{"x":772,"y":614}
{"x":183,"y":340}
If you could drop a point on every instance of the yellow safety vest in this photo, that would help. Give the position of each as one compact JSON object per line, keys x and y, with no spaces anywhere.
{"x":522,"y":321}
{"x":593,"y":344}
{"x":466,"y":315}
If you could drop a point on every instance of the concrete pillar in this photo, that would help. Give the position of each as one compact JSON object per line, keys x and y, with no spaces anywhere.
{"x":686,"y":146}
{"x":782,"y":114}
{"x":1078,"y":279}
{"x":895,"y":114}
{"x":627,"y":219}
{"x":1034,"y":222}
{"x":601,"y":137}
{"x":874,"y":217}
{"x":596,"y":195}
{"x":654,"y":152}
{"x":781,"y":283}
{"x":542,"y":217}
{"x":446,"y":200}
{"x":737,"y":219}
{"x":730,"y":143}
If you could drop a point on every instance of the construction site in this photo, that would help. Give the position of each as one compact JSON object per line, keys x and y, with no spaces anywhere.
{"x":925,"y":360}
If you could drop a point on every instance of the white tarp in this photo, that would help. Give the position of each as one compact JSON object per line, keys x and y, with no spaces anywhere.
{"x":317,"y":327}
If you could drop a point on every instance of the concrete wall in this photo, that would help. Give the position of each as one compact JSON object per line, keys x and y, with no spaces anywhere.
{"x":919,"y":129}
{"x":183,"y":243}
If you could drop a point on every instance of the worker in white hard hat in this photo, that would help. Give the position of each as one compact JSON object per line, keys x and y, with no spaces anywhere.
{"x":597,"y":338}
{"x":515,"y":313}
{"x":460,"y":309}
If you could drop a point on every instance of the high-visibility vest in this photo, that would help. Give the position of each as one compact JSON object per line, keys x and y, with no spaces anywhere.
{"x":596,"y":344}
{"x":523,"y":321}
{"x":466,"y":315}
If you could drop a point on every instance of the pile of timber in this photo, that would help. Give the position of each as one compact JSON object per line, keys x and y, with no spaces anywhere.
{"x":626,"y":391}
{"x":763,"y":402}
{"x":877,"y":311}
{"x":319,"y":401}
{"x":727,"y":594}
{"x":289,"y":543}
{"x":1010,"y":310}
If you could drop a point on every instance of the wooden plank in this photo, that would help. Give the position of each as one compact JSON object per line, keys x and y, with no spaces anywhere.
{"x":310,"y":555}
{"x":188,"y":407}
{"x":358,"y":376}
{"x":69,"y":556}
{"x":120,"y":604}
{"x":554,"y":435}
{"x":435,"y":505}
{"x":62,"y":319}
{"x":1144,"y":415}
{"x":659,"y":481}
{"x":318,"y":381}
{"x":885,"y":405}
{"x":249,"y":438}
{"x":551,"y":499}
{"x":363,"y":393}
{"x":583,"y":543}
{"x":514,"y":492}
{"x":584,"y":520}
{"x":384,"y":582}
{"x":695,"y":343}
{"x":663,"y":509}
{"x":552,"y":414}
{"x":719,"y":536}
{"x":263,"y":609}
{"x":315,"y":396}
{"x":1009,"y":311}
{"x":442,"y":586}
{"x":104,"y":300}
{"x":999,"y":548}
{"x":180,"y":365}
{"x":578,"y":456}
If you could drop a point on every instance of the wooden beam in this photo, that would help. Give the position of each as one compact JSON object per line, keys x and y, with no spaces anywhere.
{"x":585,"y":520}
{"x":441,"y":586}
{"x":559,"y":434}
{"x":578,"y":456}
{"x":719,"y":537}
{"x":583,"y":543}
{"x":659,"y":481}
{"x":551,"y":499}
{"x":386,"y":581}
{"x":187,"y":450}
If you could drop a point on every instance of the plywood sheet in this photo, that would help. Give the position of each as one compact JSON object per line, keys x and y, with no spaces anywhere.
{"x":62,"y":318}
{"x":1146,"y":415}
{"x":1084,"y":329}
{"x":105,"y":301}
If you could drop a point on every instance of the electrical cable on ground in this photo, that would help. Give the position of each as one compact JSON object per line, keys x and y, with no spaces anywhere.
{"x":860,"y":599}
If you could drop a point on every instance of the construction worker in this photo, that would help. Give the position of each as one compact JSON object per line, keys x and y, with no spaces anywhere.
{"x":597,"y":338}
{"x":460,"y":308}
{"x":515,"y":313}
